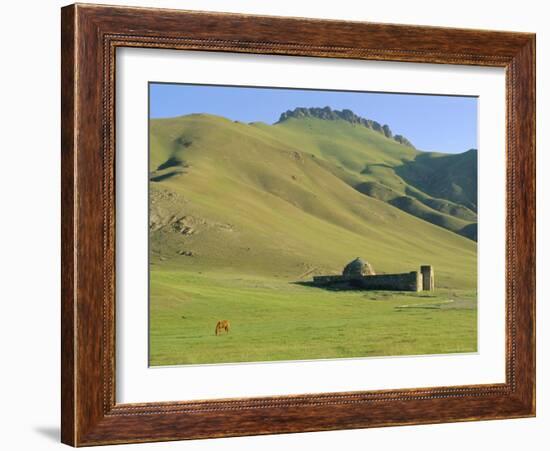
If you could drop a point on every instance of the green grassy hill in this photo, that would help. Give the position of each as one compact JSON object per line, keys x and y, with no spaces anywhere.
{"x":438,"y":188}
{"x":240,"y":214}
{"x":289,"y":199}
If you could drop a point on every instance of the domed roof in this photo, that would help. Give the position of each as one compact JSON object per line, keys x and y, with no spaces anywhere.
{"x":358,"y":267}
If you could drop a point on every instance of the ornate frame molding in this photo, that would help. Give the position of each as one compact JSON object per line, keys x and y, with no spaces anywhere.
{"x":90,"y":37}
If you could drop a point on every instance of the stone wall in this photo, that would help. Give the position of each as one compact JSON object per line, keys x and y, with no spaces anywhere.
{"x":428,"y":283}
{"x":328,"y":280}
{"x":411,"y":281}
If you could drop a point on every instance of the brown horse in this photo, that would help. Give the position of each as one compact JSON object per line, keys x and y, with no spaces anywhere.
{"x":222,"y":325}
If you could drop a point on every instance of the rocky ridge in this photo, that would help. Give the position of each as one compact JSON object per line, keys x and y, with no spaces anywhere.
{"x":328,"y":113}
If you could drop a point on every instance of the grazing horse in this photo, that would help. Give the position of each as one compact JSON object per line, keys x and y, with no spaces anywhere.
{"x":222,"y":325}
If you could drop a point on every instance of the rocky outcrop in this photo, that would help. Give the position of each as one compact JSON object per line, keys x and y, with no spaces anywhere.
{"x":402,"y":140}
{"x":328,"y":113}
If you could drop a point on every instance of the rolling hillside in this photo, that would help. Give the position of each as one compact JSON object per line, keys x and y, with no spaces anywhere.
{"x":242,"y":214}
{"x":304,"y":196}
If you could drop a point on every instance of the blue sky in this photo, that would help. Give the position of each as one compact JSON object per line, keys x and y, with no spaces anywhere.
{"x":431,"y":123}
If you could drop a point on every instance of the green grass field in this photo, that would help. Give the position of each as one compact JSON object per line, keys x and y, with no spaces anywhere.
{"x":276,"y":320}
{"x":241,"y":214}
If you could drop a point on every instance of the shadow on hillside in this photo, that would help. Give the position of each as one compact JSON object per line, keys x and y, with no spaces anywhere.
{"x":371,"y":294}
{"x":334,"y":287}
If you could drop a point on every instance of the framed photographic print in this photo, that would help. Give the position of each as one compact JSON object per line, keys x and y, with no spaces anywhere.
{"x":279,"y":225}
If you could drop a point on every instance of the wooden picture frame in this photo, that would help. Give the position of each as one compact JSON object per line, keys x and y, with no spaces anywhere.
{"x":90,"y":36}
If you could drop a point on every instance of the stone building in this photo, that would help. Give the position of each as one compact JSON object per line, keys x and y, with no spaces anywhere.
{"x":358,"y":268}
{"x":360,"y":274}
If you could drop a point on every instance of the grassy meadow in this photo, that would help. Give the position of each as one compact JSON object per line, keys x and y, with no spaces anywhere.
{"x":242,"y":216}
{"x":275,"y":320}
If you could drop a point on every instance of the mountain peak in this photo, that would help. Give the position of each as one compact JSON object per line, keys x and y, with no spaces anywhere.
{"x":327,"y":113}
